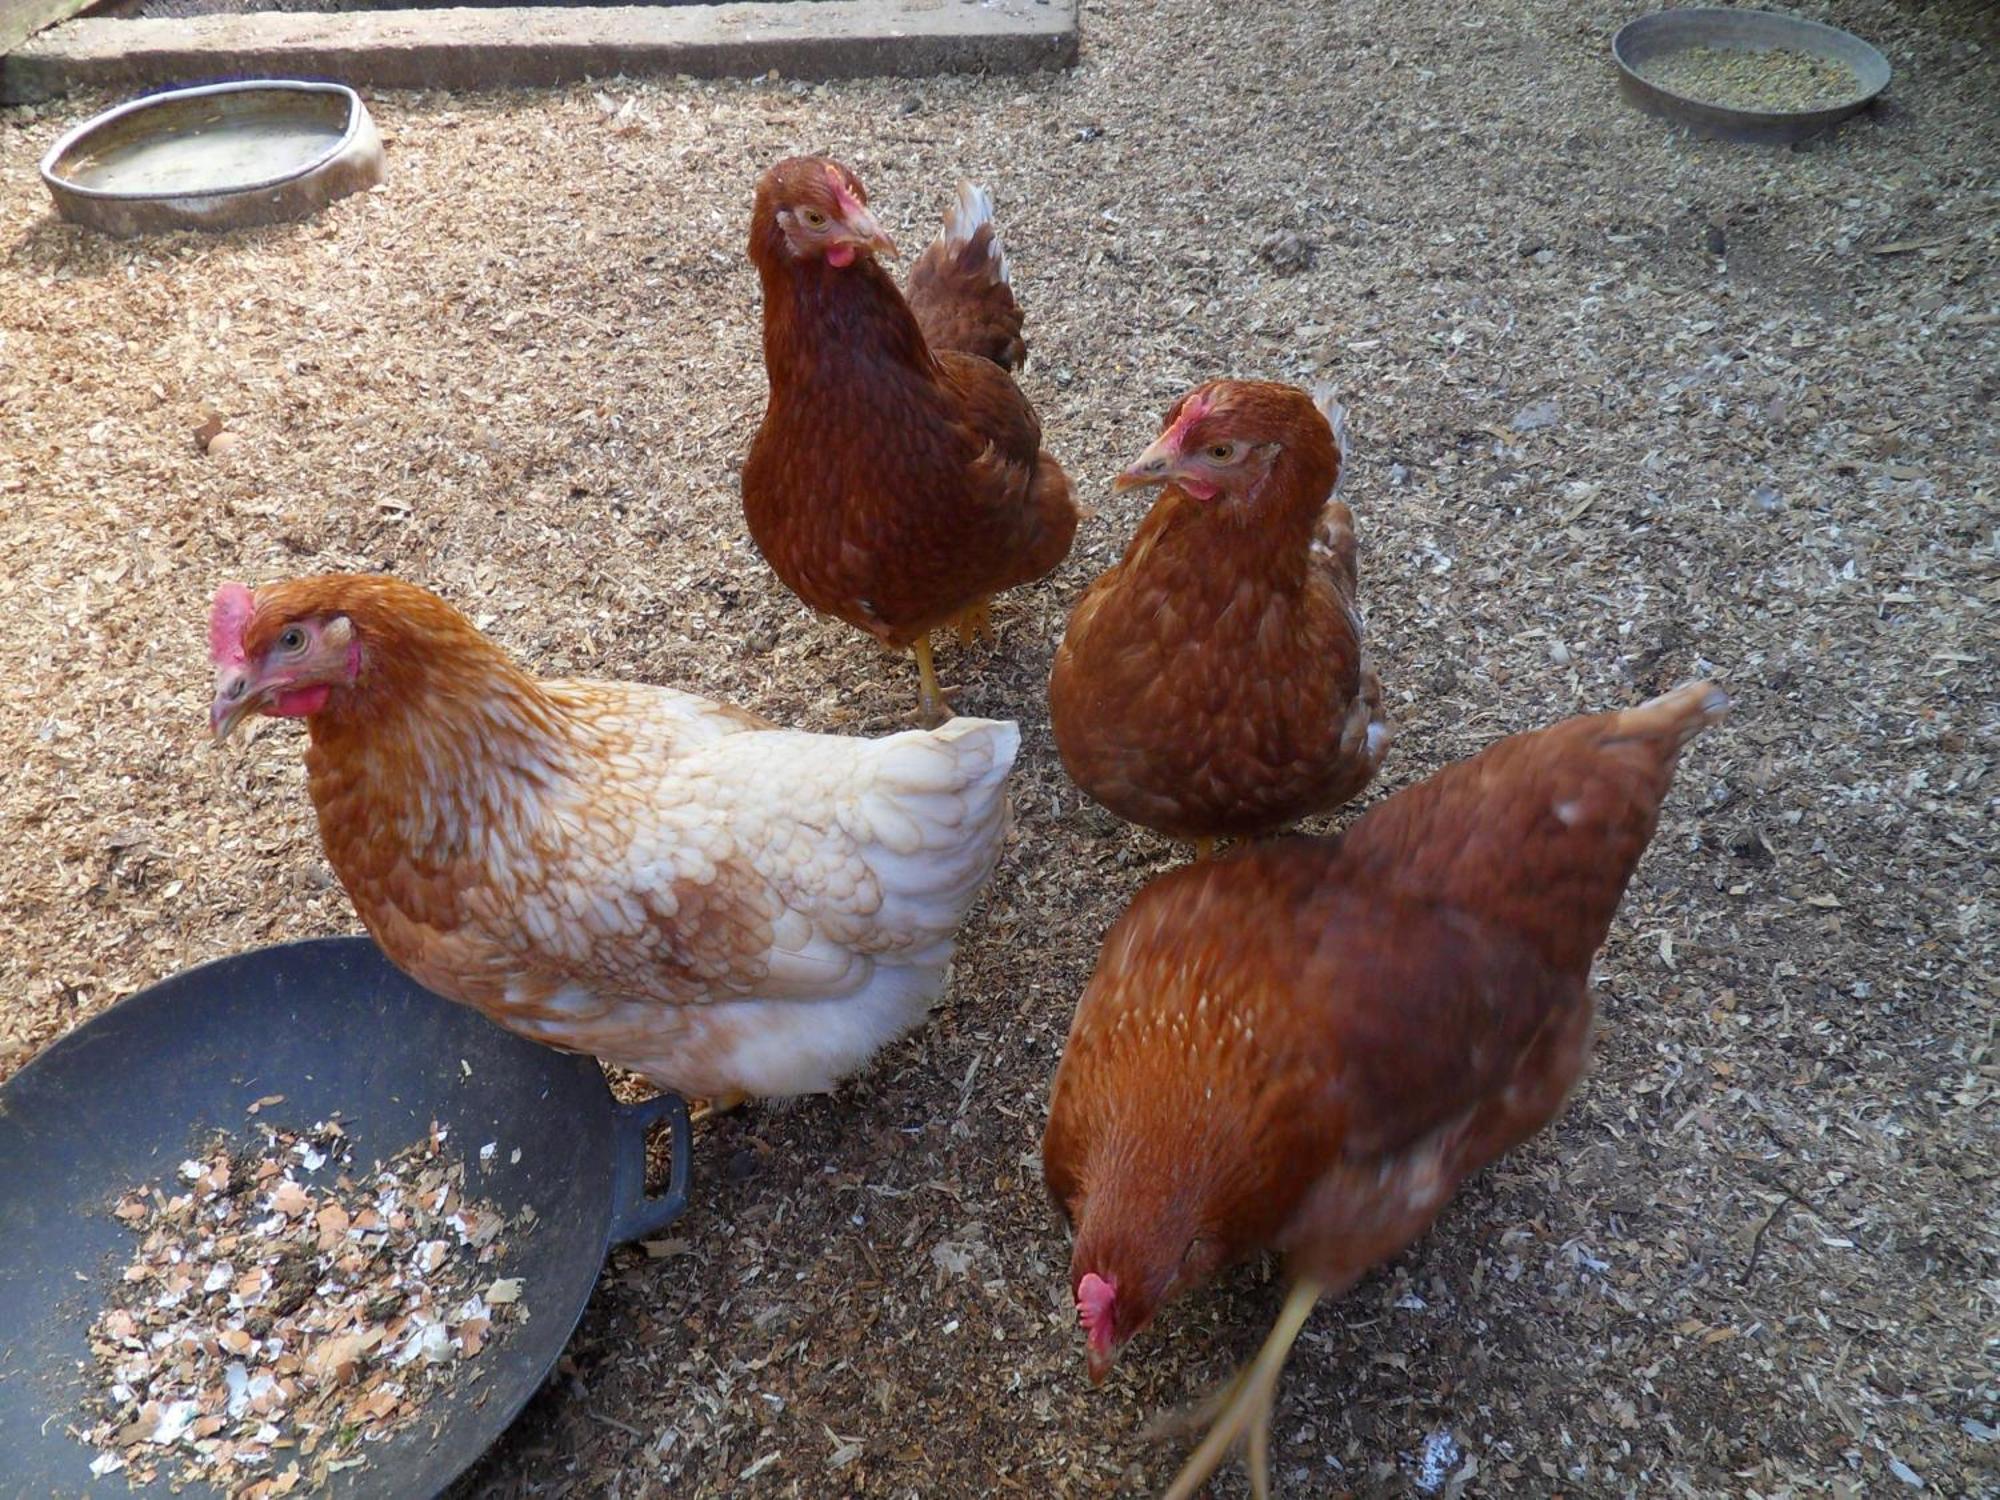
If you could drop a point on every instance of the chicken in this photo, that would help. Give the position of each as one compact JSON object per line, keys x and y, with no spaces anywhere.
{"x":1215,"y":682}
{"x":675,"y":885}
{"x":898,"y":481}
{"x":1306,"y":1046}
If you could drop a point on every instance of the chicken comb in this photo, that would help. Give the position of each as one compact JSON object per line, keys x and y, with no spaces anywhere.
{"x":228,"y":617}
{"x":843,"y":195}
{"x":1194,"y":407}
{"x":1094,"y":1297}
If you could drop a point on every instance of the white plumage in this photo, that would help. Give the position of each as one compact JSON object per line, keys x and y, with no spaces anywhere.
{"x":742,"y":909}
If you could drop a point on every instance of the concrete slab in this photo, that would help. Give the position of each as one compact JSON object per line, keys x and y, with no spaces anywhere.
{"x":487,"y":48}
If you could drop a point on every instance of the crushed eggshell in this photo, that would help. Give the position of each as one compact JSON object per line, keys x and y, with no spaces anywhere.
{"x":289,"y":1199}
{"x":269,"y":1320}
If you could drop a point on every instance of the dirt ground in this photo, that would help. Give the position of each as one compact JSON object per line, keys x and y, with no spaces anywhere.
{"x":1629,"y":407}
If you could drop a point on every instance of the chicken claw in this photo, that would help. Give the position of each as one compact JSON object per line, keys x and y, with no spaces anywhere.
{"x":1245,"y":1405}
{"x":933,"y":708}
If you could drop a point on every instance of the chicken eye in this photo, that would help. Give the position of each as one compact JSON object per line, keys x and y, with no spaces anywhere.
{"x":812,"y":218}
{"x":1197,"y":1260}
{"x":293,"y":640}
{"x":1222,"y":453}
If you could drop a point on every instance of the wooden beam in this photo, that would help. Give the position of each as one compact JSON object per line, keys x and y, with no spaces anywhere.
{"x":21,"y":19}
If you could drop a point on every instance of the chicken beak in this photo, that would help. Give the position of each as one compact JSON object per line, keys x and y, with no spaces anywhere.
{"x":1154,"y":466}
{"x":1098,"y":1362}
{"x":865,"y":234}
{"x":232,"y":703}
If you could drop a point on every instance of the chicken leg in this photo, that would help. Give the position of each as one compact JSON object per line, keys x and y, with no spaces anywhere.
{"x":975,"y":623}
{"x":932,"y":707}
{"x":722,"y":1104}
{"x":1246,"y":1405}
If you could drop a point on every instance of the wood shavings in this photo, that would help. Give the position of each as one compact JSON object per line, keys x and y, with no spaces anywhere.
{"x":272,"y":1325}
{"x":1491,"y":226}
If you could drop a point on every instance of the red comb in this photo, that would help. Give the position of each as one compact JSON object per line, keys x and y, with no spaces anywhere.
{"x":1192,"y":411}
{"x":843,"y":199}
{"x":1094,"y":1298}
{"x":228,"y":617}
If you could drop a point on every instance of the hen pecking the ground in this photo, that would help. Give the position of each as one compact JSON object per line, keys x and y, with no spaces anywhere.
{"x":672,"y":884}
{"x":1305,"y":1046}
{"x":1216,"y":682}
{"x":898,"y":481}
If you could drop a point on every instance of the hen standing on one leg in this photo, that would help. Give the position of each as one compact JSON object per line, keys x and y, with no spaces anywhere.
{"x":678,"y":886}
{"x":898,"y":480}
{"x":1216,"y":682}
{"x":1307,"y":1046}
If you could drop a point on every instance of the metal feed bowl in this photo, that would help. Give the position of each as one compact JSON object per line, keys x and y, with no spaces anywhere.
{"x":331,"y":1025}
{"x":222,"y":156}
{"x":1669,"y":31}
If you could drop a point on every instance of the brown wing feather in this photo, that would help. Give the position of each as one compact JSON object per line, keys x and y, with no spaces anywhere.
{"x":1541,"y":830}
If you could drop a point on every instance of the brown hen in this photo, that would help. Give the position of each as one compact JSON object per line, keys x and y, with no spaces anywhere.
{"x":898,"y":481}
{"x":1307,"y":1046}
{"x":1216,"y":681}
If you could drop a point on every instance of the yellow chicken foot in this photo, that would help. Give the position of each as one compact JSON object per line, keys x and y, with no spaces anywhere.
{"x":932,"y":707}
{"x":1204,"y":847}
{"x":722,"y":1104}
{"x":975,"y":623}
{"x":1246,"y":1405}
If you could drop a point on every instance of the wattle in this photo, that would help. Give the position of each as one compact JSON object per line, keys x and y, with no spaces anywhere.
{"x":840,"y":256}
{"x":299,"y":702}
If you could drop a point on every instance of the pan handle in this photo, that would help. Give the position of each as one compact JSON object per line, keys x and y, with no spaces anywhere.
{"x":633,"y":1214}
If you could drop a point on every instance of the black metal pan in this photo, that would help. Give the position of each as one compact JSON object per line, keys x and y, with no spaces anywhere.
{"x":333,"y":1027}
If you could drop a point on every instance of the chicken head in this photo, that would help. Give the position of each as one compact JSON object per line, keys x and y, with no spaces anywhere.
{"x":286,"y":668}
{"x":1140,"y":1277}
{"x":1226,"y":440}
{"x":1154,"y":1217}
{"x":816,"y":209}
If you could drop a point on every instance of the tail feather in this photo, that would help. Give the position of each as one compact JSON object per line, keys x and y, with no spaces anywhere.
{"x":1336,"y":418}
{"x":972,"y":212}
{"x":1679,"y":715}
{"x":960,"y":290}
{"x":1334,"y":537}
{"x":1539,"y":831}
{"x":1366,"y":736}
{"x":935,"y":809}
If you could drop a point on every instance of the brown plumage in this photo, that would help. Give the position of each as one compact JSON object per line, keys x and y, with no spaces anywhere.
{"x":1216,"y":682}
{"x":898,"y":480}
{"x":670,"y":883}
{"x":1306,"y":1046}
{"x":958,"y":288}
